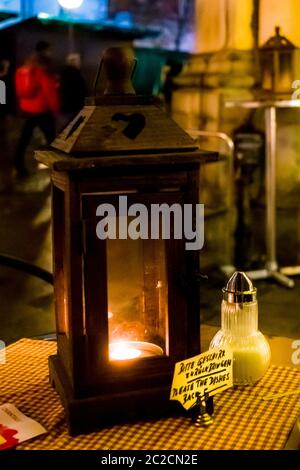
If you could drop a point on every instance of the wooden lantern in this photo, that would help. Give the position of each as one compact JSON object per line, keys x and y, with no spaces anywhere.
{"x":126,"y":310}
{"x":277,"y":64}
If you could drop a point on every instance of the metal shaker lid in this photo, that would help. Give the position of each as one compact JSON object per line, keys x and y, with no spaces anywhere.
{"x":239,"y":289}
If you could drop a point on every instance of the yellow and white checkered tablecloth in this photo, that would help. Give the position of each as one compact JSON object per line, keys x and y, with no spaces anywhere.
{"x":242,"y":419}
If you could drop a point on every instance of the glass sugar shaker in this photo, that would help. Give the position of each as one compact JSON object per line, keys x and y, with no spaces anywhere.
{"x":239,"y":330}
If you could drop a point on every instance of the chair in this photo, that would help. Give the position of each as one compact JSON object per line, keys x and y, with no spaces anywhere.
{"x":217,"y":193}
{"x":212,"y":172}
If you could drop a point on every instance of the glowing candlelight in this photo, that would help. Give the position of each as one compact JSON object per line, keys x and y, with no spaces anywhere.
{"x":121,"y":352}
{"x":125,"y":350}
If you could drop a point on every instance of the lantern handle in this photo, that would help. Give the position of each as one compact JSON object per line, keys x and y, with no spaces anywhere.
{"x":99,"y":69}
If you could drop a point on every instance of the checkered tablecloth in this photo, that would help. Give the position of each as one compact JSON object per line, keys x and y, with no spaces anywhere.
{"x":242,"y":419}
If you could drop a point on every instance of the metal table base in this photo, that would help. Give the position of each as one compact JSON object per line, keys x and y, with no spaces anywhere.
{"x":268,"y":274}
{"x":270,"y":107}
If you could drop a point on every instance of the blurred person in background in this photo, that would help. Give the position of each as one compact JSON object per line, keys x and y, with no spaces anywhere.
{"x":72,"y":90}
{"x":37,"y":96}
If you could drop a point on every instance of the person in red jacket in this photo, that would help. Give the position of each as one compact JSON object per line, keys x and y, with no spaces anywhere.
{"x":38,"y":99}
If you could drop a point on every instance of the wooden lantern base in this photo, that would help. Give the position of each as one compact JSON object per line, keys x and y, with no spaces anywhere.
{"x":89,"y":414}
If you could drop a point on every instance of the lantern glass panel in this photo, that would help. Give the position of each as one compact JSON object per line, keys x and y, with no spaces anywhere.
{"x":137,"y":298}
{"x":286,"y":76}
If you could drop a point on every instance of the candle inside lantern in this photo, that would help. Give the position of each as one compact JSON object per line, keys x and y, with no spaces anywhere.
{"x":125,"y":350}
{"x":121,"y":351}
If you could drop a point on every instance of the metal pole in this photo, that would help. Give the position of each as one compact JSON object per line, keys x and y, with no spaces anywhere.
{"x":271,"y":128}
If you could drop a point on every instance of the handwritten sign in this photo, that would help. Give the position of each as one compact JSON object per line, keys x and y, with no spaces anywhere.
{"x":15,"y":427}
{"x":210,"y":372}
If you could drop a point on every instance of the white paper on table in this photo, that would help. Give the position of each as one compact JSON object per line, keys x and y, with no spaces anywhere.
{"x":15,"y":427}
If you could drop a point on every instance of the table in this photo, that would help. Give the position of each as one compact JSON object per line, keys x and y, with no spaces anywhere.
{"x":270,"y":107}
{"x":242,"y":419}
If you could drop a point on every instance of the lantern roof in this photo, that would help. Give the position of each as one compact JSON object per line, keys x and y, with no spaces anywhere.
{"x":124,"y":124}
{"x":278,"y":42}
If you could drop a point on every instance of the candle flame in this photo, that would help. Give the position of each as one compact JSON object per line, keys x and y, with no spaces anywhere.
{"x":122,"y":352}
